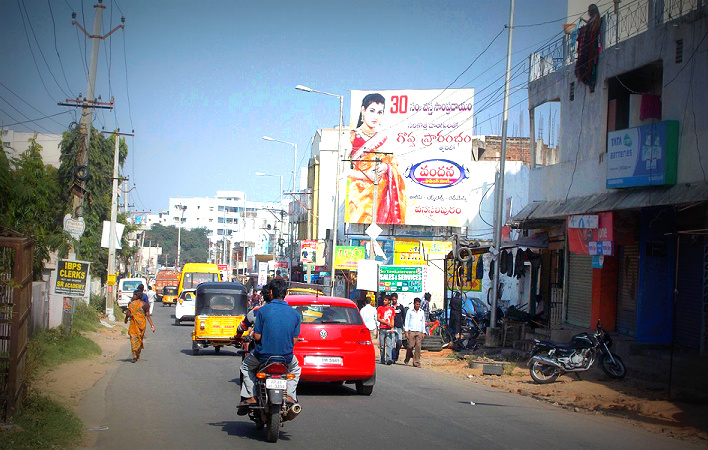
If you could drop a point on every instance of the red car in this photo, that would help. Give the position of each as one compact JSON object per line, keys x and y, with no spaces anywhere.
{"x":334,"y":344}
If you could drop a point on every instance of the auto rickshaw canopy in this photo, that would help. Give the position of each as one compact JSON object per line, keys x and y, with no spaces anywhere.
{"x":221,"y":299}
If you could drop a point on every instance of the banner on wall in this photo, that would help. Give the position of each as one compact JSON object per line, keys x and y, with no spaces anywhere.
{"x":346,"y":257}
{"x":416,"y":253}
{"x":595,"y":239}
{"x":643,"y":156}
{"x":461,"y":281}
{"x":386,"y":245}
{"x":418,"y":142}
{"x":308,"y":252}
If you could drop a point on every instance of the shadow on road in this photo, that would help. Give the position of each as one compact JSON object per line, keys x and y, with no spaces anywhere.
{"x":246,"y":429}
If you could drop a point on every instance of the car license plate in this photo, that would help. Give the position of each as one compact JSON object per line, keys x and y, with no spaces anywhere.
{"x":272,"y":383}
{"x":323,"y":360}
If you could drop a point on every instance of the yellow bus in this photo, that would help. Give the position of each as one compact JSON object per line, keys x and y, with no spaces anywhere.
{"x":195,"y":273}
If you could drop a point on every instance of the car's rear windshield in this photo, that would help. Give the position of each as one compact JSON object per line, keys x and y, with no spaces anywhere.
{"x":329,"y":314}
{"x":192,"y":280}
{"x":131,"y":285}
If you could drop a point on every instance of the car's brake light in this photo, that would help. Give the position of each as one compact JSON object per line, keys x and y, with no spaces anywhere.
{"x":202,"y":325}
{"x":364,"y":337}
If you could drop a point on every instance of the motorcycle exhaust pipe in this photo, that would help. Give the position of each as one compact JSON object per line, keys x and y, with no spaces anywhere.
{"x":546,"y":361}
{"x":293,"y":411}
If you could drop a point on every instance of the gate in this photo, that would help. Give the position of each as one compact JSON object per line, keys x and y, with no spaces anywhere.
{"x":16,"y":260}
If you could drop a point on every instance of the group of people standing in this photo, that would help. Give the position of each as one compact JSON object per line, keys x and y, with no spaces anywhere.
{"x":391,"y":321}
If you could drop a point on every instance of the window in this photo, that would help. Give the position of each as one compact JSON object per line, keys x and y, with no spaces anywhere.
{"x":679,"y":51}
{"x":220,"y":220}
{"x":625,"y":94}
{"x":221,"y":208}
{"x":571,"y":94}
{"x":328,"y":314}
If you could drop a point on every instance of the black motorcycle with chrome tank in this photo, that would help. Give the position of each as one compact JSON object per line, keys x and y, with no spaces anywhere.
{"x":549,"y":359}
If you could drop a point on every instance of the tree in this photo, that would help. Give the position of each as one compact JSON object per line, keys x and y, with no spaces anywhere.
{"x":194,"y":244}
{"x":29,"y":202}
{"x":97,"y":202}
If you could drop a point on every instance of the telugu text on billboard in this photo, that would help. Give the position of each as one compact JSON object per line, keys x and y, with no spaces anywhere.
{"x":409,"y":149}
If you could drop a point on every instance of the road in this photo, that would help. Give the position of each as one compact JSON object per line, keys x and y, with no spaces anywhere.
{"x":172,"y":399}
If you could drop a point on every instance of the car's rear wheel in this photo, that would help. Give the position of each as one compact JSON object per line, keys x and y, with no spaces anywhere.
{"x":195,"y":348}
{"x":217,"y":349}
{"x":363,"y":389}
{"x":177,"y":321}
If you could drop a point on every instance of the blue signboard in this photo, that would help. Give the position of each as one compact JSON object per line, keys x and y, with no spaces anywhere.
{"x":642,"y":156}
{"x":386,"y":246}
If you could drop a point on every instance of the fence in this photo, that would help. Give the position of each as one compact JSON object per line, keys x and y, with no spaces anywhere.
{"x":634,"y":18}
{"x":556,"y":314}
{"x":16,"y":259}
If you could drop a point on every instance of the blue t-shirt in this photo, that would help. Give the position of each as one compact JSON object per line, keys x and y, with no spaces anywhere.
{"x":278,"y":324}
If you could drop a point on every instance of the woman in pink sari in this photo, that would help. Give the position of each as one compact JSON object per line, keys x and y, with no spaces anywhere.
{"x":366,"y":141}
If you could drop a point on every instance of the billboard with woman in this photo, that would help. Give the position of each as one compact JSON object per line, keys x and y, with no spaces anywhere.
{"x":408,"y":154}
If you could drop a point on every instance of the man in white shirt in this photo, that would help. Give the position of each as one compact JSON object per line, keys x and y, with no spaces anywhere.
{"x":368,"y":314}
{"x":415,"y":329}
{"x":151,"y":294}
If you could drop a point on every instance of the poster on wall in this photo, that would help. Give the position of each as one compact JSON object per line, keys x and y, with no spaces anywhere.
{"x":595,"y":238}
{"x":416,"y":144}
{"x":346,"y":257}
{"x":416,"y":253}
{"x":643,"y":156}
{"x":308,"y":252}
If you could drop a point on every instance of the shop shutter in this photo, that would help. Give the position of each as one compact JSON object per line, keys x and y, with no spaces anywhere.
{"x":627,"y":285}
{"x":579,"y":289}
{"x":690,"y":283}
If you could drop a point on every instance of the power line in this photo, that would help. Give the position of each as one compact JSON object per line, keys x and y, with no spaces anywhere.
{"x":25,"y":102}
{"x":29,"y":44}
{"x":35,"y":120}
{"x":22,"y":114}
{"x":56,"y":48}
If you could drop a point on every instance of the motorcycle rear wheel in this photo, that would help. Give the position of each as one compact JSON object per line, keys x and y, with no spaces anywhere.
{"x":543,"y":374}
{"x":615,"y":370}
{"x":273,"y":431}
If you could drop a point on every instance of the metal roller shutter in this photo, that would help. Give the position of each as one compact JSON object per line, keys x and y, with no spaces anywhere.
{"x":627,"y":285}
{"x":690,"y":284}
{"x":579,"y":289}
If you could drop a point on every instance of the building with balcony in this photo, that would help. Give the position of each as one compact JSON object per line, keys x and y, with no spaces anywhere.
{"x":626,"y":199}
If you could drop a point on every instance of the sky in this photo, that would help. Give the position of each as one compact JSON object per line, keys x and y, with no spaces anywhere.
{"x":201,"y":82}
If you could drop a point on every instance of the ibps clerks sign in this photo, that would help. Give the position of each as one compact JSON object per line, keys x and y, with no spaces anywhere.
{"x":71,"y":278}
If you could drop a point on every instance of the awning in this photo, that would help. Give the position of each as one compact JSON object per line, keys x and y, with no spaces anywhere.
{"x":552,"y":212}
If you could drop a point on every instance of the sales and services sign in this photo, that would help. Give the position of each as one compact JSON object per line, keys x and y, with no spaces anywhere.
{"x":71,"y":278}
{"x":643,"y":156}
{"x":401,"y":278}
{"x":415,"y":143}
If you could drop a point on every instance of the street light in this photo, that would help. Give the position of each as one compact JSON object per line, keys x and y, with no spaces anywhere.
{"x":336,"y":182}
{"x":268,"y":138}
{"x":182,"y":208}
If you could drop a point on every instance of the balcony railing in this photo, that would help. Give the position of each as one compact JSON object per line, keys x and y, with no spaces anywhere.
{"x":633,"y":18}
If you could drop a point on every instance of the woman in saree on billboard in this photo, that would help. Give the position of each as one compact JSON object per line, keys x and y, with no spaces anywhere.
{"x":367,"y":143}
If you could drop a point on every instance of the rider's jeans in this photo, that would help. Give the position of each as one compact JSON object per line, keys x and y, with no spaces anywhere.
{"x":387,"y":340}
{"x":248,"y":368}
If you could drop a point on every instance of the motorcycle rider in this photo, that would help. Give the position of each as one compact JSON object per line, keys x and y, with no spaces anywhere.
{"x":276,"y":329}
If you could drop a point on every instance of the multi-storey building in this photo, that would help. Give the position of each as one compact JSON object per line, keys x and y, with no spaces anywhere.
{"x":626,"y":203}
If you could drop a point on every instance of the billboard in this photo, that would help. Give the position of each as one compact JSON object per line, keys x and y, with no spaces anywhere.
{"x":346,"y":257}
{"x":71,"y":278}
{"x":401,"y":278}
{"x":416,"y":253}
{"x":643,"y":156}
{"x":408,"y":156}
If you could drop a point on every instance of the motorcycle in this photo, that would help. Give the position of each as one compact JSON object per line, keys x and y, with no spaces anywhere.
{"x":270,"y":391}
{"x":549,"y":360}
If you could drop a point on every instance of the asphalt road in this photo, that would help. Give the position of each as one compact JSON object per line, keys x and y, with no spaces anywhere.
{"x":172,"y":399}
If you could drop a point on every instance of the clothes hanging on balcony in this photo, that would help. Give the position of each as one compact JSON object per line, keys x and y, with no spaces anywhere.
{"x":650,"y":107}
{"x":588,"y":51}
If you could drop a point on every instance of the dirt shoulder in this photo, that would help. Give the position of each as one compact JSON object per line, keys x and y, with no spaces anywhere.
{"x":68,"y":382}
{"x":639,"y":403}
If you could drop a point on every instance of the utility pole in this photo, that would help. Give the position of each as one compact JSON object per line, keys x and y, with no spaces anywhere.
{"x":492,"y":332}
{"x":89,"y":102}
{"x":112,"y":244}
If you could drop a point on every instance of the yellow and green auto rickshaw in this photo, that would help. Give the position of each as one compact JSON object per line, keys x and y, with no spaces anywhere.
{"x":218,"y":310}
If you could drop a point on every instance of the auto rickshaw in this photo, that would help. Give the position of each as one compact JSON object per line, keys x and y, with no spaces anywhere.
{"x":218,"y":310}
{"x":169,"y":295}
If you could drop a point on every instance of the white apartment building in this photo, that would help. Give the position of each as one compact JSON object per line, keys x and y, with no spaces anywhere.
{"x":17,"y":142}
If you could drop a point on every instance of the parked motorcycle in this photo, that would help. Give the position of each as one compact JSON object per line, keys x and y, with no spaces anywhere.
{"x":270,"y":391}
{"x":549,"y":359}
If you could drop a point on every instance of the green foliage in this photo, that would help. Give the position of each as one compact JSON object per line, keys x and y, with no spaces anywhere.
{"x":30,"y":202}
{"x":44,"y":423}
{"x":85,"y":317}
{"x":99,"y":185}
{"x":194,"y":244}
{"x":49,"y":348}
{"x":98,"y":302}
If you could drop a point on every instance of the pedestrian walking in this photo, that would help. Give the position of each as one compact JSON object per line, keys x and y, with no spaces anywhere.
{"x":368,"y":315}
{"x":415,"y":329}
{"x":139,"y":314}
{"x":385,"y":316}
{"x":398,"y":321}
{"x":425,"y":305}
{"x":455,"y":315}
